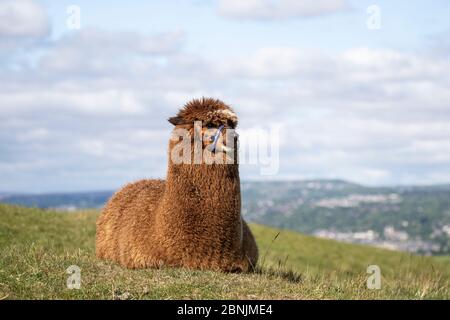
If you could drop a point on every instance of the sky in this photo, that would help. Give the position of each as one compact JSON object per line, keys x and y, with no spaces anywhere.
{"x":359,"y":89}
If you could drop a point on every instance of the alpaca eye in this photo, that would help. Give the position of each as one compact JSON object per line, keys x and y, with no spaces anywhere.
{"x":211,"y":139}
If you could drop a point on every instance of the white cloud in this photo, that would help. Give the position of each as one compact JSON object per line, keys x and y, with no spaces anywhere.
{"x":106,"y":52}
{"x":106,"y":102}
{"x":91,"y":109}
{"x":279,"y":9}
{"x":385,"y":83}
{"x":126,"y":145}
{"x":23,"y":18}
{"x":33,"y":135}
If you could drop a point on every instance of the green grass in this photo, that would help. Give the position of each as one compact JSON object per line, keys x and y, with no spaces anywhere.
{"x":37,"y":246}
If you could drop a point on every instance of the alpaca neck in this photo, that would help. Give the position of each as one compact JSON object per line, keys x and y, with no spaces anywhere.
{"x":213,"y":186}
{"x":204,"y":197}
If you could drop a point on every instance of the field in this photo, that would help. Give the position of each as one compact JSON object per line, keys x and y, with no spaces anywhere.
{"x":404,"y":218}
{"x":37,"y":246}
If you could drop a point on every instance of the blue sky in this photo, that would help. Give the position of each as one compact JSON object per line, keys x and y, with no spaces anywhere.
{"x":405,"y":24}
{"x":85,"y":109}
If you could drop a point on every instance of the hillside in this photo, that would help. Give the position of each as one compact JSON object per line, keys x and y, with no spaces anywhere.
{"x":37,"y":246}
{"x":411,"y":219}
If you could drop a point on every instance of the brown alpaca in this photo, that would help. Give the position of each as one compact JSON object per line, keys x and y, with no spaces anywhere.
{"x":193,"y":219}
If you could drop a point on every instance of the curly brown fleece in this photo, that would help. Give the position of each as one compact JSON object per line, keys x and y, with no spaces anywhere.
{"x":192,"y":220}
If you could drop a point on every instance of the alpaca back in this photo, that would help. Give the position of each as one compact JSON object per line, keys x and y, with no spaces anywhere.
{"x":126,"y":224}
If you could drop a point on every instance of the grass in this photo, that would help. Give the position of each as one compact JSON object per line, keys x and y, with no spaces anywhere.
{"x":36,"y":248}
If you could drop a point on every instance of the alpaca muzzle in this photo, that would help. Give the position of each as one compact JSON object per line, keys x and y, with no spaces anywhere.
{"x":213,"y":146}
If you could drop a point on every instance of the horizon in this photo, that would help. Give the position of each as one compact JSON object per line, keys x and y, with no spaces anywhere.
{"x":112,"y":189}
{"x":86,"y":89}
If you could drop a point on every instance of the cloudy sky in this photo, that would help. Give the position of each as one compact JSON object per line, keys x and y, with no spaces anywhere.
{"x":360,"y":93}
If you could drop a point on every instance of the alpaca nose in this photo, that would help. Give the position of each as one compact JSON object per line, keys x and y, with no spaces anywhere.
{"x":225,"y":149}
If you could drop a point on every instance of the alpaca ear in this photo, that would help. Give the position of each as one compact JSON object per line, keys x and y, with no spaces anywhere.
{"x":175,"y":120}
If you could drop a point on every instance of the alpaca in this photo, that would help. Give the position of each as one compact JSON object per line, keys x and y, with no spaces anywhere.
{"x":191,"y":220}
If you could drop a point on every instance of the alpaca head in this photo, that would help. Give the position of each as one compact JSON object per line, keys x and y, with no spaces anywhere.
{"x":210,"y":123}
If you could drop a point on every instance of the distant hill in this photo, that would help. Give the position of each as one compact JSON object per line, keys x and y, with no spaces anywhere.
{"x":38,"y":246}
{"x":413,"y":219}
{"x":61,"y":201}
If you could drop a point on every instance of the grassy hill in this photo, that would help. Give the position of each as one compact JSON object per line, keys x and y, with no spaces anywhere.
{"x":408,"y":218}
{"x":36,"y":248}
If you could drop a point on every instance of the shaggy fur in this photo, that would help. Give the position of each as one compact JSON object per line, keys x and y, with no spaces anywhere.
{"x":211,"y":112}
{"x":192,"y":220}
